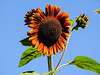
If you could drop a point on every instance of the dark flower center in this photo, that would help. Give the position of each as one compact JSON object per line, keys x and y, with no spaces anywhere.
{"x":49,"y":31}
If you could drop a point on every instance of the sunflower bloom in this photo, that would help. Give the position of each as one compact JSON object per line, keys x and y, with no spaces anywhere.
{"x":50,"y":30}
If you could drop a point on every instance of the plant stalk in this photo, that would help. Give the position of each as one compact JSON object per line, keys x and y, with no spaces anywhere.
{"x":48,"y":58}
{"x":64,"y":49}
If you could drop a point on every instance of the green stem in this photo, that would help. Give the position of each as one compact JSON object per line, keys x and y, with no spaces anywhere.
{"x":51,"y":63}
{"x":64,"y":65}
{"x":64,"y":49}
{"x":48,"y":58}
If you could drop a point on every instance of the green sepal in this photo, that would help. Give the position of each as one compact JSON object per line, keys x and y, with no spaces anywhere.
{"x":86,"y":63}
{"x":52,"y":72}
{"x":76,"y":28}
{"x":30,"y":73}
{"x":25,"y":42}
{"x":28,"y":55}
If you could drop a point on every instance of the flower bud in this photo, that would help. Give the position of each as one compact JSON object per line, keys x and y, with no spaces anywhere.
{"x":82,"y":20}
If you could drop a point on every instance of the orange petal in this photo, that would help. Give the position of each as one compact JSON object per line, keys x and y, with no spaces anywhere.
{"x":61,"y":14}
{"x":69,"y":28}
{"x":55,"y":8}
{"x":38,"y":16}
{"x":67,"y":19}
{"x":34,"y":41}
{"x":41,"y":12}
{"x":37,"y":44}
{"x":65,"y":34}
{"x":33,"y":37}
{"x":60,"y":47}
{"x":47,"y":10}
{"x":57,"y":11}
{"x":55,"y":49}
{"x":34,"y":22}
{"x":40,"y":46}
{"x":59,"y":50}
{"x":34,"y":25}
{"x":67,"y":23}
{"x":41,"y":51}
{"x":45,"y":50}
{"x":64,"y":16}
{"x":51,"y":50}
{"x":63,"y":39}
{"x":51,"y":10}
{"x":61,"y":43}
{"x":32,"y":31}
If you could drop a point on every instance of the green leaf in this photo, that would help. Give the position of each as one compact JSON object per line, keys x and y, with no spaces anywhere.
{"x":87,"y":63}
{"x":25,"y":42}
{"x":72,"y":22}
{"x":29,"y":73}
{"x":28,"y":55}
{"x":52,"y":72}
{"x":98,"y":11}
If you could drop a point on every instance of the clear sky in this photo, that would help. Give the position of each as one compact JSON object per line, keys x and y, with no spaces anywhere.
{"x":82,"y":43}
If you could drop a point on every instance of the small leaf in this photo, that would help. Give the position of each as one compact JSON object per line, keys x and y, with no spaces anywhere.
{"x":25,"y":42}
{"x":72,"y":22}
{"x":28,"y":55}
{"x":87,"y":63}
{"x":98,"y":11}
{"x":76,"y":28}
{"x":52,"y":72}
{"x":29,"y":73}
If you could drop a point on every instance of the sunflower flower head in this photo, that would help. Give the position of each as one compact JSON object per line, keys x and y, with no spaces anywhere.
{"x":82,"y":21}
{"x":50,"y":30}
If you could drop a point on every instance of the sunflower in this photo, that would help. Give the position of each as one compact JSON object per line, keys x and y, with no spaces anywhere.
{"x":50,"y":30}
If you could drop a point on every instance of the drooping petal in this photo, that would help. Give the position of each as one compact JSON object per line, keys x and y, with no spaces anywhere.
{"x":65,"y":34}
{"x":67,"y":23}
{"x":32,"y":31}
{"x":34,"y":41}
{"x":68,"y":28}
{"x":58,"y":49}
{"x":47,"y":51}
{"x":33,"y":37}
{"x":40,"y":46}
{"x":55,"y":49}
{"x":63,"y":39}
{"x":50,"y":50}
{"x":41,"y":51}
{"x":37,"y":44}
{"x":34,"y":25}
{"x":61,"y":43}
{"x":59,"y":46}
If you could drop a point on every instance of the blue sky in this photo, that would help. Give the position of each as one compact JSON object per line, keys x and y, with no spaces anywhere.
{"x":82,"y":43}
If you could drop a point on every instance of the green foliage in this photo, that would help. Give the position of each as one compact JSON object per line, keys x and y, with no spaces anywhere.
{"x":29,"y":73}
{"x":72,"y":22}
{"x":28,"y":55}
{"x":25,"y":42}
{"x":87,"y":63}
{"x":52,"y":72}
{"x":98,"y":11}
